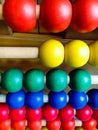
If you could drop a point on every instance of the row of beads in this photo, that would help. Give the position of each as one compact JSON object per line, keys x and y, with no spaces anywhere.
{"x":74,"y":53}
{"x":62,"y":118}
{"x":57,"y":100}
{"x":56,"y":80}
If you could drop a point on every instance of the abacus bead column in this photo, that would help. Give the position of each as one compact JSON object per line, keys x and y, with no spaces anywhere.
{"x":24,"y":19}
{"x":93,"y":98}
{"x":34,"y":80}
{"x":12,"y":80}
{"x":51,"y":53}
{"x":49,"y":113}
{"x":34,"y":100}
{"x":58,"y":100}
{"x":56,"y":80}
{"x":80,"y":80}
{"x":55,"y":18}
{"x":76,"y":53}
{"x":77,"y":100}
{"x":16,"y":100}
{"x":85,"y":113}
{"x":93,"y":59}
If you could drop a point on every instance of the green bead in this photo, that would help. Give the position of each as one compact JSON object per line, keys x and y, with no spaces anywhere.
{"x":80,"y":80}
{"x":56,"y":80}
{"x":34,"y":80}
{"x":12,"y":80}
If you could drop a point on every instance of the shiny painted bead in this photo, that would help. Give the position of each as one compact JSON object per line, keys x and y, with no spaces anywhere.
{"x":35,"y":125}
{"x":56,"y":80}
{"x":93,"y":98}
{"x":33,"y":114}
{"x":49,"y":113}
{"x":34,"y":100}
{"x":51,"y":53}
{"x":12,"y":80}
{"x":16,"y":100}
{"x":95,"y":114}
{"x":67,"y":113}
{"x":44,"y":128}
{"x":68,"y":125}
{"x":58,"y":100}
{"x":18,"y":125}
{"x":5,"y":125}
{"x":17,"y":114}
{"x":85,"y":113}
{"x":76,"y":53}
{"x":90,"y":124}
{"x":80,"y":80}
{"x":77,"y":100}
{"x":34,"y":80}
{"x":54,"y":125}
{"x":93,"y":59}
{"x":4,"y":112}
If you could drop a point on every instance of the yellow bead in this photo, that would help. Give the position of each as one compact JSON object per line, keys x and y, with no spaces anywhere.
{"x":44,"y":128}
{"x":93,"y":60}
{"x":76,"y":53}
{"x":79,"y":128}
{"x":51,"y":53}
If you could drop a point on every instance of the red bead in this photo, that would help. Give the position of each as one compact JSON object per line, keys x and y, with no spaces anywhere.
{"x":33,"y":114}
{"x":68,"y":125}
{"x":84,"y":114}
{"x":19,"y":125}
{"x":4,"y":112}
{"x":95,"y":114}
{"x":35,"y":125}
{"x":54,"y":125}
{"x":17,"y":114}
{"x":49,"y":113}
{"x":90,"y":124}
{"x":5,"y":125}
{"x":67,"y":113}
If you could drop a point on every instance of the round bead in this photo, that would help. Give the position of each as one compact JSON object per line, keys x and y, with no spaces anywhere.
{"x":34,"y":100}
{"x":68,"y":125}
{"x":35,"y":125}
{"x":77,"y":100}
{"x":17,"y":114}
{"x":44,"y":128}
{"x":33,"y":114}
{"x":51,"y":53}
{"x":80,"y":80}
{"x":12,"y":80}
{"x":34,"y":80}
{"x":5,"y":125}
{"x":49,"y":113}
{"x":95,"y":114}
{"x":4,"y":111}
{"x":93,"y":98}
{"x":84,"y":114}
{"x":67,"y":113}
{"x":90,"y":124}
{"x":58,"y":100}
{"x":15,"y":100}
{"x":56,"y":80}
{"x":93,"y":59}
{"x":79,"y":128}
{"x":76,"y":53}
{"x":54,"y":125}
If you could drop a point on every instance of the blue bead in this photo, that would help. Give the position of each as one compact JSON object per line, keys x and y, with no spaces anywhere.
{"x":77,"y":100}
{"x":15,"y":100}
{"x":93,"y":98}
{"x":34,"y":100}
{"x":58,"y":100}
